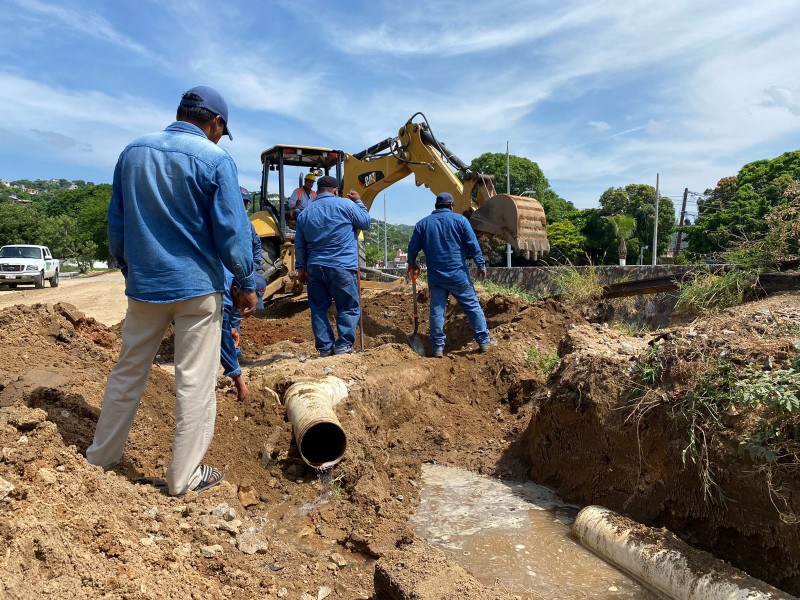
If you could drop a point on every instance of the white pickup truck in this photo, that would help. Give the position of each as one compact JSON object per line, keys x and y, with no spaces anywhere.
{"x":28,"y":264}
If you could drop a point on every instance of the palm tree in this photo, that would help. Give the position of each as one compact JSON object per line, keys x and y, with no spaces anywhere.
{"x":623,"y":227}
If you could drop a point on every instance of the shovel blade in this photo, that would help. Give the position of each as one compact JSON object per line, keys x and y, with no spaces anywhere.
{"x":416,"y":344}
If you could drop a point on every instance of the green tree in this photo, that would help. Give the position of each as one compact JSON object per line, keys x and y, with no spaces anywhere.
{"x":397,"y":238}
{"x":20,"y":224}
{"x":599,"y":234}
{"x":70,"y":202}
{"x":623,"y":228}
{"x":92,"y":222}
{"x":526,"y":178}
{"x":735,"y":210}
{"x":88,"y":207}
{"x":68,"y":242}
{"x":638,"y":201}
{"x":567,"y":243}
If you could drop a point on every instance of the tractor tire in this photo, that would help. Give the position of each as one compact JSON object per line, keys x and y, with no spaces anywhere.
{"x":54,"y":280}
{"x":38,"y":283}
{"x":270,"y":259}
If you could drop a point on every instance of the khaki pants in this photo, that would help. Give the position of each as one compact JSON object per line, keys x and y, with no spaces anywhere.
{"x":197,"y":347}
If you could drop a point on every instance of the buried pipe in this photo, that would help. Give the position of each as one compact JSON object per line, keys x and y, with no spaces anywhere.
{"x":317,"y":432}
{"x":665,"y":563}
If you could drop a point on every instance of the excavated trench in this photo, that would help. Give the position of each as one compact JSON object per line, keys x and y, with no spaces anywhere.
{"x":497,"y":415}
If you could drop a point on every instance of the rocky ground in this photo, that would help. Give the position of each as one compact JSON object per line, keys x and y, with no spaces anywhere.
{"x":67,"y":529}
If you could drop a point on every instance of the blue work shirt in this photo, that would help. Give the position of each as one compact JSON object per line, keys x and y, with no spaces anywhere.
{"x":256,"y":244}
{"x":445,"y":237}
{"x":327,"y":231}
{"x":176,"y":217}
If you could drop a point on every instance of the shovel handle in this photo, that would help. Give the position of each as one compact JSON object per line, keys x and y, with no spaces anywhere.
{"x":414,"y":295}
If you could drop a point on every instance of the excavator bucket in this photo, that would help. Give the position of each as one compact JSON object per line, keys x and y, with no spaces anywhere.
{"x":518,"y":220}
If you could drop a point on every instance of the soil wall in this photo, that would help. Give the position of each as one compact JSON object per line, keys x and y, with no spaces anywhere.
{"x":596,"y":440}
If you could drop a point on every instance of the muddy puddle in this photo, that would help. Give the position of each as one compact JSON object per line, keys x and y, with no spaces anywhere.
{"x":514,"y":536}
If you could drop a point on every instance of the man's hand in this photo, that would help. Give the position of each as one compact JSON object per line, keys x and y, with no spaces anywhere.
{"x":353,"y":195}
{"x":482,"y":273}
{"x":246,"y":303}
{"x":235,"y":336}
{"x":413,"y":271}
{"x":302,"y":277}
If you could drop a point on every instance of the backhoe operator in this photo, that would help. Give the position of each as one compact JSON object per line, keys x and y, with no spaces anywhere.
{"x":445,"y":237}
{"x":302,"y":196}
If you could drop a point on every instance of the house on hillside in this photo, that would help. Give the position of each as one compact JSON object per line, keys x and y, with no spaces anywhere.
{"x":4,"y":183}
{"x":73,"y":187}
{"x":400,"y":260}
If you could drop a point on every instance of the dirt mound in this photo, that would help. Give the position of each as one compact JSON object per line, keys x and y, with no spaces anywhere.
{"x":596,"y":430}
{"x":651,"y":426}
{"x":72,"y":530}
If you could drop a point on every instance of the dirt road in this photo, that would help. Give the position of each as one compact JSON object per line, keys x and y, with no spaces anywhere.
{"x":99,"y":296}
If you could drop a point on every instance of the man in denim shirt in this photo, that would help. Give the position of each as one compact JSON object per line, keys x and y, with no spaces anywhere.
{"x":326,"y":257}
{"x":445,"y":237}
{"x":175,"y":219}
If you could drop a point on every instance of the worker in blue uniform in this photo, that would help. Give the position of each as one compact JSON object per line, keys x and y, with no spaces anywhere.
{"x":446,"y":237}
{"x":326,"y":259}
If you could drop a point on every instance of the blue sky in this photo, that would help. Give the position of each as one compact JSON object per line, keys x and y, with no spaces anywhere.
{"x":599,"y":94}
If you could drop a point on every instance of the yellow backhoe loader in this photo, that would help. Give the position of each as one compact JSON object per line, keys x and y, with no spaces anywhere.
{"x":517,"y":220}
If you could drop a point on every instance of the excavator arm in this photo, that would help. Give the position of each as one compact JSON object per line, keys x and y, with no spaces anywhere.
{"x":517,"y":220}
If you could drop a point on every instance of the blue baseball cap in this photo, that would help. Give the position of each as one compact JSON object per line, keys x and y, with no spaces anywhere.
{"x":445,"y":198}
{"x":245,"y":195}
{"x":210,"y":99}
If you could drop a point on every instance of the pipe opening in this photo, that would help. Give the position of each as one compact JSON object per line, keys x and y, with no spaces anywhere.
{"x":323,"y":443}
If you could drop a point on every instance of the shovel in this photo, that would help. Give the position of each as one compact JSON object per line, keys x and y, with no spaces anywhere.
{"x":414,"y":340}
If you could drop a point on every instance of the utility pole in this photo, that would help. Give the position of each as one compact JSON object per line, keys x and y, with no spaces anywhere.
{"x":508,"y":191}
{"x":655,"y":228}
{"x":679,"y":239}
{"x":385,"y":236}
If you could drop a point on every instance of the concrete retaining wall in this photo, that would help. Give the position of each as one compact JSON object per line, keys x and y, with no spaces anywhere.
{"x":539,"y":281}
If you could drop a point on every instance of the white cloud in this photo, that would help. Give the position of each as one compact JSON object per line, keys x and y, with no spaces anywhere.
{"x":782,"y":97}
{"x":87,"y":23}
{"x":58,"y":121}
{"x":599,"y":126}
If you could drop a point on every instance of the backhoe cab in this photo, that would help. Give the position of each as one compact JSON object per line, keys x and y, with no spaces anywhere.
{"x":272,"y":223}
{"x":414,"y":151}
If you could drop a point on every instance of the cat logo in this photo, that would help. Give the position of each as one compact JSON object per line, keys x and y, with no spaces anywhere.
{"x":371,"y":178}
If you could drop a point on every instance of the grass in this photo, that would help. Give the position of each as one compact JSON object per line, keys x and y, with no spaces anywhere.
{"x":494,"y":288}
{"x":579,"y":285}
{"x":627,"y":328}
{"x":544,"y":362}
{"x":712,"y":293}
{"x":649,"y":369}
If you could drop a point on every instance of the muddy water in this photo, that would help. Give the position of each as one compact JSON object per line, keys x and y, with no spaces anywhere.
{"x":514,"y":536}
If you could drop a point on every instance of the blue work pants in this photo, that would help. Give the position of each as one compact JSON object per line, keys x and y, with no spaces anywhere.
{"x":340,"y":286}
{"x":229,"y":356}
{"x":464,"y":293}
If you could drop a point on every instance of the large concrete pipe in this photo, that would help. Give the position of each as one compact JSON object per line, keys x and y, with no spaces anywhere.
{"x":665,"y":563}
{"x":317,"y":432}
